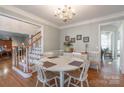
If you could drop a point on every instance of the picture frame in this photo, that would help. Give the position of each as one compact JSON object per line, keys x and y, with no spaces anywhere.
{"x":86,"y":39}
{"x":79,"y":37}
{"x":72,"y":40}
{"x":67,"y":38}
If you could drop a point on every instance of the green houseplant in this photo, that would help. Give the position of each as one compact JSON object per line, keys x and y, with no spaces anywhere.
{"x":68,"y":46}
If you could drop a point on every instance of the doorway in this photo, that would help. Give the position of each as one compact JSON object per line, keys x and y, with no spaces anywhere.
{"x":7,"y":40}
{"x":110,"y":46}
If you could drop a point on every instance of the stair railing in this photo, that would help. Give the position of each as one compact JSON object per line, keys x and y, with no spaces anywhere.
{"x":20,"y":53}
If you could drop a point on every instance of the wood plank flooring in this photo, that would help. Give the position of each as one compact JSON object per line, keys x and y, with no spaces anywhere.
{"x":109,"y":76}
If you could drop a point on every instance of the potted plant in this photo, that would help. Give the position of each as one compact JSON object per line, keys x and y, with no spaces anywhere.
{"x":68,"y":46}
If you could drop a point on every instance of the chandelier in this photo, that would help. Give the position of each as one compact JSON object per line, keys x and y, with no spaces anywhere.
{"x":65,"y":13}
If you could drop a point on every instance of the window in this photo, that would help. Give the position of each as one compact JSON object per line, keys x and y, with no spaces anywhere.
{"x":106,"y":40}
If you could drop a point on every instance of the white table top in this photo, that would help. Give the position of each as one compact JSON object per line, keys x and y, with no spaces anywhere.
{"x":62,"y":63}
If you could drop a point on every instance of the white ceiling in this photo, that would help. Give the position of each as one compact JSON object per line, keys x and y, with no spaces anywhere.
{"x":83,"y":12}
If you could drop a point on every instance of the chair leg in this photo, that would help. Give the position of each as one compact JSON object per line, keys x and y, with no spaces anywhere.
{"x":81,"y":83}
{"x":69,"y":81}
{"x":97,"y":68}
{"x":36,"y":83}
{"x":77,"y":82}
{"x":87,"y":82}
{"x":56,"y":82}
{"x":43,"y":84}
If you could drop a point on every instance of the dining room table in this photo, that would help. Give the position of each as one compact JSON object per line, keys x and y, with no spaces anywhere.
{"x":61,"y":64}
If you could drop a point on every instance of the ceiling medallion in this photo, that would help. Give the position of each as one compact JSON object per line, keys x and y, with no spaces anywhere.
{"x":65,"y":13}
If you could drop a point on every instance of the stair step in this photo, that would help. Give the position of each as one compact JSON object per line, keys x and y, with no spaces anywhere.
{"x":25,"y":75}
{"x":20,"y":68}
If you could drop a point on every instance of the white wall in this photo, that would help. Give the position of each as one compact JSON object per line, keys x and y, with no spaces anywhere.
{"x":91,"y":30}
{"x":108,"y":27}
{"x":51,"y":35}
{"x":51,"y":38}
{"x":11,"y":25}
{"x":122,"y":48}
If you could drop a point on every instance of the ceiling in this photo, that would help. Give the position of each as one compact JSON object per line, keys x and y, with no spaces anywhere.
{"x":83,"y":12}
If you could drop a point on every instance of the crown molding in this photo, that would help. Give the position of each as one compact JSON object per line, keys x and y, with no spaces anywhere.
{"x":116,"y":15}
{"x":29,"y":15}
{"x":41,"y":21}
{"x":19,"y":19}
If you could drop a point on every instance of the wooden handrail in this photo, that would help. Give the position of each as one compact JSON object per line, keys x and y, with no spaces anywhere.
{"x":32,"y":37}
{"x":33,"y":42}
{"x":36,"y":34}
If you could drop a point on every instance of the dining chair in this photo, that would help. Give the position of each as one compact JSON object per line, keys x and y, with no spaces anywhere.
{"x":93,"y":57}
{"x":68,"y":54}
{"x":45,"y":76}
{"x":79,"y":75}
{"x":80,"y":55}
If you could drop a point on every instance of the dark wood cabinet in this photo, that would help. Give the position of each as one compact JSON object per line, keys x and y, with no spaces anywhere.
{"x":6,"y":47}
{"x":7,"y":44}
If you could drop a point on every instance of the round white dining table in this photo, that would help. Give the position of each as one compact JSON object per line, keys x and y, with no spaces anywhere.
{"x":62,"y":65}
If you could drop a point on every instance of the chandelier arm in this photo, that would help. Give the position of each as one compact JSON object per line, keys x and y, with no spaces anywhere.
{"x":65,"y":13}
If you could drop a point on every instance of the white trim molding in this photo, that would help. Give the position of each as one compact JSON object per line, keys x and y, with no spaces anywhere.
{"x":29,"y":15}
{"x":24,"y":75}
{"x":19,"y":19}
{"x":42,"y":21}
{"x":113,"y":16}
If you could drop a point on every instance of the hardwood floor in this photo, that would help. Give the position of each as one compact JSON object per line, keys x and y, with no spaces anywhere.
{"x":109,"y":76}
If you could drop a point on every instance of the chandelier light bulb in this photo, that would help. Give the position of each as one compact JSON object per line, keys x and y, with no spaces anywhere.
{"x":65,"y":13}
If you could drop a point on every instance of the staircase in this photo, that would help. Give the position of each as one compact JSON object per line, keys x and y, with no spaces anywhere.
{"x":26,"y":55}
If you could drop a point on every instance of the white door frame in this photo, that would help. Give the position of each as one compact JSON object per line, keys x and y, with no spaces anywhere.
{"x":102,"y":24}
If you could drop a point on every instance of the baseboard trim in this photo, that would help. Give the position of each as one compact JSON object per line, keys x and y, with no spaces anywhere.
{"x":23,"y":74}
